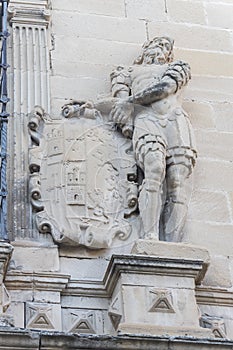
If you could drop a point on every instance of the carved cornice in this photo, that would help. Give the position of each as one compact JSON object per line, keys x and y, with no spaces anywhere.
{"x":189,"y":268}
{"x":214,"y":296}
{"x":29,"y":12}
{"x":41,"y":281}
{"x":29,"y":339}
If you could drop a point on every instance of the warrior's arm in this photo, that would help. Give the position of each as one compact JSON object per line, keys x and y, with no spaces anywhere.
{"x":122,"y":112}
{"x":121,"y":82}
{"x":177,"y":75}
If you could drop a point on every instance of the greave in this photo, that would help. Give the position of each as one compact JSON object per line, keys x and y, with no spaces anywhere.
{"x":150,"y":207}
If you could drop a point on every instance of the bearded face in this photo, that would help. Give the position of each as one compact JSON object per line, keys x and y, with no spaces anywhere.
{"x":159,"y":51}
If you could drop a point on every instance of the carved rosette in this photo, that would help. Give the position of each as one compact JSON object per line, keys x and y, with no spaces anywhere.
{"x":81,"y":172}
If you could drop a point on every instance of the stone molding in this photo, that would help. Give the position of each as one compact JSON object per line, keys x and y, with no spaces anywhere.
{"x":134,"y":263}
{"x":41,"y":281}
{"x":174,"y":250}
{"x":150,"y":265}
{"x":23,"y":339}
{"x":29,"y":12}
{"x":166,"y":259}
{"x":123,"y":271}
{"x":139,"y":276}
{"x":41,"y":308}
{"x":214,"y":296}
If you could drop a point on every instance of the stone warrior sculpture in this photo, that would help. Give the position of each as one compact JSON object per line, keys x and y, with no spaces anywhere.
{"x":149,"y":110}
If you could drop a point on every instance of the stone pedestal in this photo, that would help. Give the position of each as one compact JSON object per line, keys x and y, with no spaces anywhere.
{"x":153,"y":290}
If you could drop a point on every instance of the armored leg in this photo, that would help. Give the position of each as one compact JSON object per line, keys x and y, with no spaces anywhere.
{"x":175,"y":209}
{"x":150,"y":195}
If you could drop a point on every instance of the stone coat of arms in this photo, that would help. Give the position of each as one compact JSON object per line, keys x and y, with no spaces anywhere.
{"x":82,"y":173}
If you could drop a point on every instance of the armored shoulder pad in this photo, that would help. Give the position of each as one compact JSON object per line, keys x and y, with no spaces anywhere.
{"x":179,"y":71}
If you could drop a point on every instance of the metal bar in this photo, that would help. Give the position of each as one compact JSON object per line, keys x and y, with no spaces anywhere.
{"x":3,"y":124}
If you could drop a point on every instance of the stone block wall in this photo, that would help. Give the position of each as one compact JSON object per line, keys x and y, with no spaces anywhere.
{"x":90,"y":37}
{"x":72,"y":288}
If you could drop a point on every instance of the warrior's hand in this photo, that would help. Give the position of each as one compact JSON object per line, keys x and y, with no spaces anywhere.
{"x":122,"y":112}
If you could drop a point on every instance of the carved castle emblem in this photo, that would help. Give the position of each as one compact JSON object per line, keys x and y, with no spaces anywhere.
{"x":80,"y":178}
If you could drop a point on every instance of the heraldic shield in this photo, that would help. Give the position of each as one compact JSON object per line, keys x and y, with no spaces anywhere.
{"x":82,"y":178}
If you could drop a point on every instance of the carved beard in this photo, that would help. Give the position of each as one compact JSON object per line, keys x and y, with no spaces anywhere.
{"x":157,"y":58}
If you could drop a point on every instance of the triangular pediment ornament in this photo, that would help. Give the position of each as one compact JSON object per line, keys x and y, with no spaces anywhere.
{"x":115,"y":311}
{"x":216,"y":324}
{"x":6,"y":299}
{"x":218,"y":333}
{"x":115,"y":319}
{"x":116,"y":304}
{"x":82,"y":326}
{"x":162,"y":303}
{"x":40,"y":320}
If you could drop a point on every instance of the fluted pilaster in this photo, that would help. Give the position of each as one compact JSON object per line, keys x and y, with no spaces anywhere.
{"x":29,"y":22}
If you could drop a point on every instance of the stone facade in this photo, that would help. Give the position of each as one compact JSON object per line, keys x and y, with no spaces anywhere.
{"x":75,"y":282}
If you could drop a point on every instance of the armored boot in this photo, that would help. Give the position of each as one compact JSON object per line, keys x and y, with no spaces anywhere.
{"x":174,"y":216}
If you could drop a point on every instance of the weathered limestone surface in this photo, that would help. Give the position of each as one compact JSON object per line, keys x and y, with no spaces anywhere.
{"x":29,"y":60}
{"x":67,"y":289}
{"x":142,"y":300}
{"x":36,"y":258}
{"x":21,"y":340}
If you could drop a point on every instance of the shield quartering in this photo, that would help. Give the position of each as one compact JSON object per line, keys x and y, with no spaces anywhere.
{"x":82,"y":178}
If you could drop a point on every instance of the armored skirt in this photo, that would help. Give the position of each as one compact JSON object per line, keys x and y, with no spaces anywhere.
{"x":171,"y":134}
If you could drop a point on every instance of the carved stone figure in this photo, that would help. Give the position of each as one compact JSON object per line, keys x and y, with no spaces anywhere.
{"x":149,"y":110}
{"x":88,"y":178}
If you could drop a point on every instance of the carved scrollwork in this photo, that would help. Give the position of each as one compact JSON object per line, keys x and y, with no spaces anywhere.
{"x":33,"y":125}
{"x":35,"y":120}
{"x":122,"y":231}
{"x":35,"y":192}
{"x":47,"y":225}
{"x":80,"y":109}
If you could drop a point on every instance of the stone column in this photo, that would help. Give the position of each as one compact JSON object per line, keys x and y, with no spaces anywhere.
{"x":30,"y":86}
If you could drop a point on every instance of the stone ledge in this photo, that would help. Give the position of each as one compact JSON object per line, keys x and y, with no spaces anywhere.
{"x":41,"y":281}
{"x":179,"y":331}
{"x":173,"y":251}
{"x":214,"y":296}
{"x":148,"y":256}
{"x":170,"y":250}
{"x":141,"y":264}
{"x":17,"y":339}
